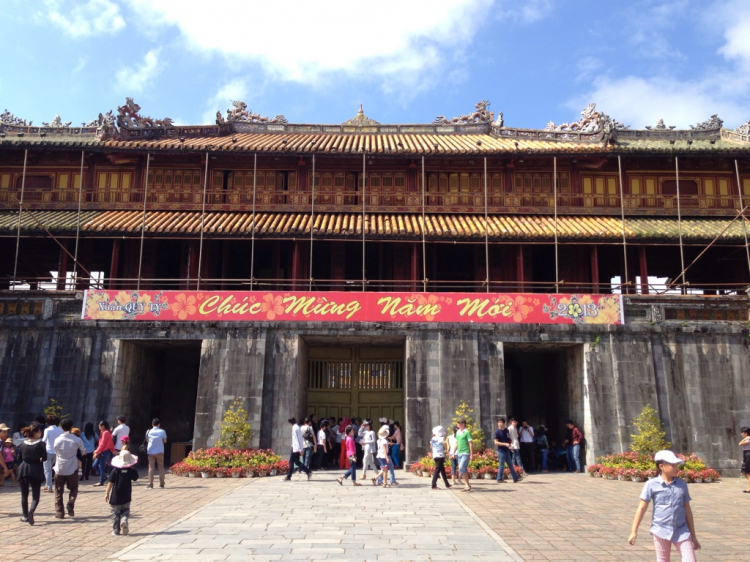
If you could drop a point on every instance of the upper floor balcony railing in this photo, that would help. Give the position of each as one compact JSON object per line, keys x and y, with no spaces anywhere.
{"x":272,"y":190}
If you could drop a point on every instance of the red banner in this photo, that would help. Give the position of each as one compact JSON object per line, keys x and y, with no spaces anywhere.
{"x":280,"y":306}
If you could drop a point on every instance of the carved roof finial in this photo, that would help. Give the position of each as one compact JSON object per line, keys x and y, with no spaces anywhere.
{"x":360,"y":120}
{"x":481,"y":115}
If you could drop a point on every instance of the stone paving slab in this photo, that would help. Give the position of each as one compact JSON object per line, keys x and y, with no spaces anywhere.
{"x":269,"y":519}
{"x":575,"y":518}
{"x":87,"y":536}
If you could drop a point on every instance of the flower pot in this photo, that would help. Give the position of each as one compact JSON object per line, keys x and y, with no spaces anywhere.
{"x":220,"y":475}
{"x":262,"y":474}
{"x":488,"y":476}
{"x":637,"y":479}
{"x":708,"y":480}
{"x":192,"y":475}
{"x":621,"y":477}
{"x":698,"y":480}
{"x":611,"y":476}
{"x":236,"y":474}
{"x":273,"y":472}
{"x":597,"y":474}
{"x":205,"y":475}
{"x":250,"y":474}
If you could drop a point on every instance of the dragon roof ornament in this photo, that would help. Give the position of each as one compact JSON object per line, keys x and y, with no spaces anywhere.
{"x":104,"y":120}
{"x":591,"y":121}
{"x":360,"y":120}
{"x":710,"y":124}
{"x":129,"y":118}
{"x":7,"y":118}
{"x":481,"y":115}
{"x":743,"y":129}
{"x":240,"y":113}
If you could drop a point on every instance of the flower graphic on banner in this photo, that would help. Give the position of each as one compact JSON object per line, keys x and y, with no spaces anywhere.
{"x":93,"y":310}
{"x":519,"y":309}
{"x":609,"y":311}
{"x":272,"y":305}
{"x":183,"y":306}
{"x":431,"y":301}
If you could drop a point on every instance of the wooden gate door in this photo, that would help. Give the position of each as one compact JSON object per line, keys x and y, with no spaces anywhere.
{"x":365,"y":382}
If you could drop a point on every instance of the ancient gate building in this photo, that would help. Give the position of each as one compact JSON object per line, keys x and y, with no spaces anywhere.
{"x":155,"y":269}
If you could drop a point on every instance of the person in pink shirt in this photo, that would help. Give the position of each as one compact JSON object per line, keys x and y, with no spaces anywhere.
{"x":103,"y":452}
{"x":351,"y":453}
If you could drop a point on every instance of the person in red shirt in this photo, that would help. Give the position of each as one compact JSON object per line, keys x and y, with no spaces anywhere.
{"x":573,"y":446}
{"x":103,"y":452}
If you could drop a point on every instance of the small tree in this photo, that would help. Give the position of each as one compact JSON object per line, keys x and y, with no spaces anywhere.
{"x":651,"y":436}
{"x":236,"y":431}
{"x":54,"y":409}
{"x":477,"y":433}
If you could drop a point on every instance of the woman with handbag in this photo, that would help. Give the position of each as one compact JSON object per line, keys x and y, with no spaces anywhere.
{"x":351,"y":453}
{"x":32,"y":453}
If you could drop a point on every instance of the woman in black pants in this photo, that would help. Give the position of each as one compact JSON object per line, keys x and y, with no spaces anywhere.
{"x":31,"y":453}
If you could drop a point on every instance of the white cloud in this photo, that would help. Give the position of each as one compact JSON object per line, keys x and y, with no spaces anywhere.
{"x":85,"y":18}
{"x":640,"y":101}
{"x":393,"y":41}
{"x":131,"y":81}
{"x":236,"y":89}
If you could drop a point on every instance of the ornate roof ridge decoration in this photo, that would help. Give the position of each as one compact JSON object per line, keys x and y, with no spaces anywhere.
{"x":241,"y":114}
{"x":104,"y":119}
{"x":57,"y":123}
{"x":743,"y":129}
{"x":360,"y":120}
{"x":660,"y":126}
{"x":7,"y":118}
{"x":591,"y":121}
{"x":128,"y":118}
{"x":481,"y":115}
{"x":710,"y":124}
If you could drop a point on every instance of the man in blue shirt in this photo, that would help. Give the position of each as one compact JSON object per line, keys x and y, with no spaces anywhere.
{"x":504,"y":455}
{"x":672,"y":521}
{"x":156,"y":438}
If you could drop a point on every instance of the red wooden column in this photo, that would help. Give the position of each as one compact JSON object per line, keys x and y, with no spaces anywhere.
{"x":520,"y":269}
{"x":338,"y":264}
{"x":643,"y":270}
{"x":190,"y":272}
{"x":114,"y":264}
{"x":63,"y":267}
{"x":595,"y":269}
{"x":414,"y":276}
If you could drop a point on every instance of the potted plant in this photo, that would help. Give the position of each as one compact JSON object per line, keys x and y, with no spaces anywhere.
{"x":206,"y":472}
{"x":220,"y":472}
{"x":282,"y":467}
{"x":263,"y":470}
{"x":236,"y":471}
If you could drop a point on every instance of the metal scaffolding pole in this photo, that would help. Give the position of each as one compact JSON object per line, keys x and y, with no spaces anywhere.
{"x":203,"y":222}
{"x":486,"y":233}
{"x":312,"y":220}
{"x":20,"y":210}
{"x":742,"y":206}
{"x":252,"y":232}
{"x":364,"y":216}
{"x":622,"y":227}
{"x":679,"y":225}
{"x":78,"y":228}
{"x":424,"y":244}
{"x":143,"y":221}
{"x":554,"y":193}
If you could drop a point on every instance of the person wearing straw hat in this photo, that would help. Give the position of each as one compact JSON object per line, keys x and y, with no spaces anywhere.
{"x":438,"y":455}
{"x":672,"y":518}
{"x":120,"y":490}
{"x":383,"y":434}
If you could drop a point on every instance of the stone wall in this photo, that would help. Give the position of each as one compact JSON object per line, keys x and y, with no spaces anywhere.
{"x":699,"y":381}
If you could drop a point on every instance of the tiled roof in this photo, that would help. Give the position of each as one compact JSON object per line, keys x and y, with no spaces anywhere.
{"x":377,"y":226}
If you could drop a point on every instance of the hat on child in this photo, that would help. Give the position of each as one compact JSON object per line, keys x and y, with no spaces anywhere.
{"x":383,"y":432}
{"x":668,"y":456}
{"x":124,"y":460}
{"x":124,"y":439}
{"x":9,"y":440}
{"x":438,"y":431}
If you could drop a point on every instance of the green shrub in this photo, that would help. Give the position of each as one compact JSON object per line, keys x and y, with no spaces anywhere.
{"x":236,"y":431}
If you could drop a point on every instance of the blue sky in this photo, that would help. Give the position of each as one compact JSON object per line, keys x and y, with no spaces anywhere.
{"x":407,"y":61}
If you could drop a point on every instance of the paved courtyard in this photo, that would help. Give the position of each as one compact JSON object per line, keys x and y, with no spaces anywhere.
{"x":557,"y":517}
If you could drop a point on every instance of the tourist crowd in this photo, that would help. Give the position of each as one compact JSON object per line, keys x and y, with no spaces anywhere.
{"x":51,"y":455}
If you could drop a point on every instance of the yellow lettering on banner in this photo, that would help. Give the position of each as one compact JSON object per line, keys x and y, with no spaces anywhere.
{"x":308,"y":305}
{"x":226,"y":306}
{"x":256,"y":308}
{"x":209,"y":305}
{"x":473,"y":306}
{"x":390,"y":305}
{"x":393,"y":307}
{"x":428,"y":309}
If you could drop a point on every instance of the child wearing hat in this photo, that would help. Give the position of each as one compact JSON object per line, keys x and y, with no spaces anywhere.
{"x":119,"y":490}
{"x":672,"y":519}
{"x":9,"y":456}
{"x":383,"y":434}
